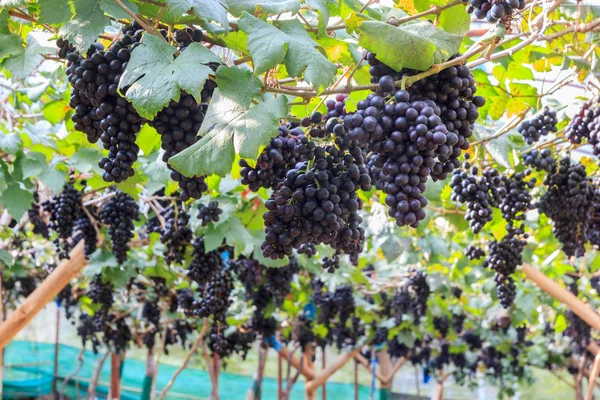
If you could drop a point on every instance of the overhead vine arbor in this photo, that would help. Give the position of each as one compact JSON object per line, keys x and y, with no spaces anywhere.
{"x":410,"y":181}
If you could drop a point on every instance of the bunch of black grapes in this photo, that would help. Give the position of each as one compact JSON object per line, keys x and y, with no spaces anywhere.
{"x":100,"y":110}
{"x":204,"y":264}
{"x":209,"y":213}
{"x":585,"y":125}
{"x":474,"y":252}
{"x":178,"y":125}
{"x":34,"y":214}
{"x":540,"y":160}
{"x":119,"y":213}
{"x":281,"y":154}
{"x":540,"y":125}
{"x":516,"y":197}
{"x":503,"y":258}
{"x":64,"y":208}
{"x":419,"y":291}
{"x":569,"y":201}
{"x":479,"y":193}
{"x":494,"y":10}
{"x":176,"y":234}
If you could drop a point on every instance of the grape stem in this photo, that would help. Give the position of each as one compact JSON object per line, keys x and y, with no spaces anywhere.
{"x":506,"y":128}
{"x":147,"y":27}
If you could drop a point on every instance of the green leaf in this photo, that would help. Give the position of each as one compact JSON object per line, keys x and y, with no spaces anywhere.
{"x":16,"y":200}
{"x":291,"y":45}
{"x":237,"y":7}
{"x":89,"y":22}
{"x":4,"y":21}
{"x":55,"y":111}
{"x":560,"y":323}
{"x":230,"y":127}
{"x":10,"y":44}
{"x":416,"y":46}
{"x":322,"y":9}
{"x":499,"y":148}
{"x":53,"y":177}
{"x":148,"y":139}
{"x":455,"y":20}
{"x":33,"y":164}
{"x":155,"y":76}
{"x":5,"y":258}
{"x":54,"y":12}
{"x":238,"y":84}
{"x":210,"y":10}
{"x":10,"y":143}
{"x":114,"y":10}
{"x":85,"y":159}
{"x":40,"y":133}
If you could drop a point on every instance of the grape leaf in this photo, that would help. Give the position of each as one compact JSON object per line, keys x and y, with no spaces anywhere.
{"x":230,"y":127}
{"x":115,"y":11}
{"x":455,"y":20}
{"x":33,"y":164}
{"x":89,"y":22}
{"x":10,"y":143}
{"x":16,"y":200}
{"x":237,"y":7}
{"x":54,"y":12}
{"x":415,"y":46}
{"x":4,"y":21}
{"x":10,"y":44}
{"x":290,"y":44}
{"x":210,"y":10}
{"x":155,"y":76}
{"x":322,"y":10}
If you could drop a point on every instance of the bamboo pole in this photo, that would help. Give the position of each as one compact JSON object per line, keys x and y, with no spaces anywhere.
{"x":593,"y":377}
{"x":279,"y":376}
{"x":385,"y":362}
{"x":44,"y":293}
{"x":323,"y":366}
{"x":584,"y":311}
{"x":399,"y":363}
{"x":56,"y":349}
{"x":321,"y":377}
{"x":365,"y":363}
{"x":355,"y":379}
{"x":115,"y":376}
{"x":307,"y":372}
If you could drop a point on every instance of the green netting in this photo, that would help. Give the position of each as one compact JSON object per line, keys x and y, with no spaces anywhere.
{"x":30,"y":366}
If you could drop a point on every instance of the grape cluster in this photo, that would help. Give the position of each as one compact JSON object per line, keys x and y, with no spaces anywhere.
{"x":281,"y":154}
{"x":119,"y":213}
{"x":441,"y":324}
{"x":419,"y":290}
{"x":176,"y":235}
{"x":336,"y":108}
{"x":538,"y":126}
{"x":401,"y":304}
{"x":204,"y":264}
{"x":317,"y":204}
{"x":578,"y":331}
{"x":209,"y":213}
{"x":516,"y":198}
{"x":151,"y":312}
{"x":101,"y":292}
{"x":39,"y":225}
{"x":178,"y":125}
{"x":215,"y":300}
{"x":540,"y":160}
{"x":503,"y":258}
{"x":478,"y":193}
{"x":569,"y":201}
{"x":278,"y":280}
{"x":64,"y":209}
{"x":331,"y":264}
{"x":453,"y":92}
{"x":84,"y":230}
{"x":494,"y":10}
{"x":474,"y":252}
{"x":100,"y":111}
{"x":187,"y":36}
{"x":586,"y":125}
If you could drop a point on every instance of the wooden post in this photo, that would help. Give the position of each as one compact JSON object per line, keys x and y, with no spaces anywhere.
{"x":313,"y":385}
{"x":355,"y":379}
{"x":584,"y":311}
{"x":417,"y":383}
{"x":399,"y":363}
{"x":279,"y":376}
{"x":365,"y":363}
{"x":385,"y":363}
{"x":217,"y":369}
{"x":56,"y":348}
{"x":115,"y":376}
{"x":44,"y":293}
{"x":323,"y":366}
{"x":593,"y":377}
{"x":307,"y":372}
